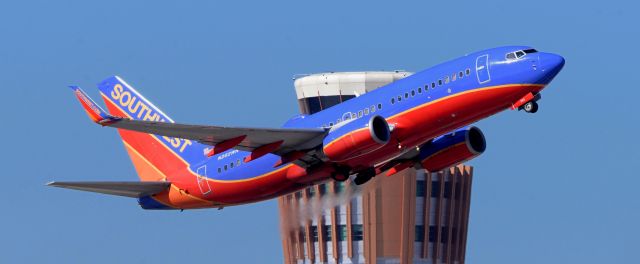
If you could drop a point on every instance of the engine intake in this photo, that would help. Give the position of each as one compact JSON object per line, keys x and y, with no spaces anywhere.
{"x":355,"y":139}
{"x":452,"y":149}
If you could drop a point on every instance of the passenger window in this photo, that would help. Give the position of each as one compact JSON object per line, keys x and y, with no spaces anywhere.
{"x":353,"y":116}
{"x":366,"y":111}
{"x":360,"y":113}
{"x":440,"y":82}
{"x":399,"y":98}
{"x":446,"y":79}
{"x":468,"y":71}
{"x":460,"y":74}
{"x":433,"y":85}
{"x":406,"y":95}
{"x":413,"y":92}
{"x":219,"y":170}
{"x":393,"y":100}
{"x":238,"y":162}
{"x":225,"y":167}
{"x":379,"y":106}
{"x":373,"y":108}
{"x":453,"y":77}
{"x":420,"y":90}
{"x":231,"y":165}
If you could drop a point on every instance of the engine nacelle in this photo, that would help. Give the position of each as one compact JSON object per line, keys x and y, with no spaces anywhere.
{"x":356,"y":138}
{"x":452,"y":149}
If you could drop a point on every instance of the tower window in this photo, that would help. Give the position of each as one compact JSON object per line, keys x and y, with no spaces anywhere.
{"x":356,"y":232}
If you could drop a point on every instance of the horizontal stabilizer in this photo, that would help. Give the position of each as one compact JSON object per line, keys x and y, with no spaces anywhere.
{"x":128,"y":189}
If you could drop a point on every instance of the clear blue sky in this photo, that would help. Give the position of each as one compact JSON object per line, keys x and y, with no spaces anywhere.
{"x":558,"y":186}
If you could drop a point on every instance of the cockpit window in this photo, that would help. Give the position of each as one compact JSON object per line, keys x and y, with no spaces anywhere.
{"x":519,"y":54}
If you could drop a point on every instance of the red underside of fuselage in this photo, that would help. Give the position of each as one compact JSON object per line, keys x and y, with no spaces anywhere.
{"x":418,"y":125}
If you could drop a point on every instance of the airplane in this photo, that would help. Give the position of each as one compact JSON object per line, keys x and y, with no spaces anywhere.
{"x":423,"y":120}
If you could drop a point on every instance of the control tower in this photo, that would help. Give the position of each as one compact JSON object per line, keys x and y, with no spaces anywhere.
{"x":323,"y":90}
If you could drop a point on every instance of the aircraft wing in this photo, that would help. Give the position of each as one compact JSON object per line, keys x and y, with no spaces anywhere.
{"x":128,"y":189}
{"x":248,"y":138}
{"x":279,"y":141}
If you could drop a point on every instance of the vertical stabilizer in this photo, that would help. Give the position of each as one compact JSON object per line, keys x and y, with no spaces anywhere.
{"x":155,"y":157}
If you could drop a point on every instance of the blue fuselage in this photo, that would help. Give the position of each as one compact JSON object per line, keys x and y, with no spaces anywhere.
{"x":492,"y":68}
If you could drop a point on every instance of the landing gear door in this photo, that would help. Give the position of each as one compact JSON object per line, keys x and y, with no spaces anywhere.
{"x":482,"y":69}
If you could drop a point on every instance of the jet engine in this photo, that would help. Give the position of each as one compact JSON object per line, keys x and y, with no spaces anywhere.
{"x":452,"y":149}
{"x":354,"y":139}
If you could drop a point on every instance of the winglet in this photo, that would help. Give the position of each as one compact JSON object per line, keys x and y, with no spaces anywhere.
{"x":97,"y":114}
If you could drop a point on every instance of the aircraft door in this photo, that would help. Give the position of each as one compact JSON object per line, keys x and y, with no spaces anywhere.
{"x":482,"y":69}
{"x":203,"y":184}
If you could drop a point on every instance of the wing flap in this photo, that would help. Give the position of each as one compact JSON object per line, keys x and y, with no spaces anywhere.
{"x":127,"y":189}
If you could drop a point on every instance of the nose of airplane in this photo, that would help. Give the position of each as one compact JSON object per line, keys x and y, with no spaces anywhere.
{"x":551,"y":65}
